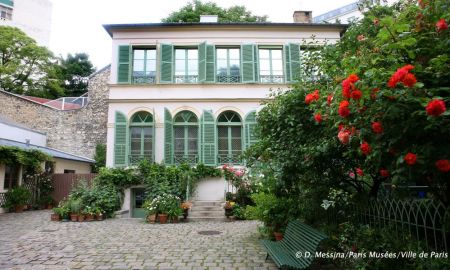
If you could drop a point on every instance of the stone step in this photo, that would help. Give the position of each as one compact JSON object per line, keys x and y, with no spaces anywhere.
{"x":207,"y":203}
{"x":193,"y":219}
{"x":205,"y":208}
{"x":207,"y":214}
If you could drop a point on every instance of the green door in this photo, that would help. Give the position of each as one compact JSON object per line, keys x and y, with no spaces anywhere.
{"x":137,"y":200}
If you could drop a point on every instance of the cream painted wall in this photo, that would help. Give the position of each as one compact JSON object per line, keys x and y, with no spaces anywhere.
{"x":210,"y":189}
{"x":78,"y":166}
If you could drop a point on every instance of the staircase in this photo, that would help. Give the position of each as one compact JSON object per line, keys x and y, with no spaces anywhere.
{"x":207,"y":211}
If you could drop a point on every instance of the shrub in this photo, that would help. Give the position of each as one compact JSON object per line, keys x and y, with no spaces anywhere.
{"x":17,"y":196}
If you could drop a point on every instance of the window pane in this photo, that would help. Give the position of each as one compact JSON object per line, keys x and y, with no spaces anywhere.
{"x":236,"y":132}
{"x":139,"y":54}
{"x":193,"y":54}
{"x":151,"y":65}
{"x":180,"y":66}
{"x":277,"y":65}
{"x":192,"y":146}
{"x":221,"y":53}
{"x":193,"y":67}
{"x":193,"y":132}
{"x":276,"y":54}
{"x":264,"y":65}
{"x":234,"y":54}
{"x":138,"y":65}
{"x":263,"y":54}
{"x":151,"y":54}
{"x":180,"y":54}
{"x":148,"y":145}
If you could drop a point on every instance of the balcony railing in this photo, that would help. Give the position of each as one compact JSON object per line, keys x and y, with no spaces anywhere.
{"x":186,"y":78}
{"x":137,"y":79}
{"x":181,"y":158}
{"x":135,"y":159}
{"x":271,"y":78}
{"x":228,"y":78}
{"x":233,"y":159}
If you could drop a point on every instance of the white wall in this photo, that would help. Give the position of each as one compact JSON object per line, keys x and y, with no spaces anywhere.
{"x":210,"y":189}
{"x":22,"y":135}
{"x":34,"y":17}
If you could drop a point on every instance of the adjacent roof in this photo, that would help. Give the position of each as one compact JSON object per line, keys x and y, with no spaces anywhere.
{"x":111,"y":27}
{"x":49,"y":151}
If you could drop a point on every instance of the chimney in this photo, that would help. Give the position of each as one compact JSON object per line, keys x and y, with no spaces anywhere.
{"x":209,"y":18}
{"x":301,"y":16}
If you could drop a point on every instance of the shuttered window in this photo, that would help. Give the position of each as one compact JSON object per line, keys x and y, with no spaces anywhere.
{"x":186,"y":65}
{"x":229,"y":134}
{"x":270,"y":65}
{"x":123,"y":65}
{"x":228,"y":65}
{"x":208,"y":139}
{"x":249,"y":129}
{"x":120,"y":140}
{"x":144,"y":66}
{"x":141,"y":138}
{"x":186,"y":138}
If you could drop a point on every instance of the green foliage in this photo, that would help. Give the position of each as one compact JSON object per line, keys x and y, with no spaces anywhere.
{"x":74,"y":73}
{"x":239,"y":212}
{"x":100,"y":157}
{"x":28,"y":158}
{"x":17,"y":196}
{"x":26,"y":68}
{"x":192,"y":11}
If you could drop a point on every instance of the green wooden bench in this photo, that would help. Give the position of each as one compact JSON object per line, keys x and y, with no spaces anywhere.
{"x":298,"y":239}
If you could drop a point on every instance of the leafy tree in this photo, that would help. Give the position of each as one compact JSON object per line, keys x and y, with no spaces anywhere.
{"x":100,"y":157}
{"x":74,"y":72}
{"x":25,"y":67}
{"x":192,"y":11}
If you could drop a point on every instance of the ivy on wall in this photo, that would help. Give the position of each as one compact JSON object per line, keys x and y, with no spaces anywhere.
{"x":32,"y":158}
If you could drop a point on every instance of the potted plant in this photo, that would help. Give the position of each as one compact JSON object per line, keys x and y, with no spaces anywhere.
{"x":75,"y":208}
{"x":174,"y":213}
{"x":167,"y":202}
{"x":89,"y":213}
{"x":151,"y":209}
{"x":228,"y":208}
{"x":57,"y":213}
{"x":65,"y":209}
{"x":186,"y":206}
{"x":17,"y":198}
{"x":98,"y":213}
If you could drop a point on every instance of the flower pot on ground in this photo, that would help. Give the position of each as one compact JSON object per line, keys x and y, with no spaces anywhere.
{"x":162,"y":218}
{"x":90,"y":217}
{"x":75,"y":209}
{"x":99,"y":217}
{"x":278,"y":236}
{"x":186,"y":206}
{"x":174,"y":219}
{"x":73,"y":217}
{"x":80,"y":217}
{"x":58,"y":212}
{"x":151,"y":218}
{"x":55,"y":217}
{"x":185,"y":213}
{"x":228,"y":208}
{"x":17,"y":198}
{"x":88,"y":213}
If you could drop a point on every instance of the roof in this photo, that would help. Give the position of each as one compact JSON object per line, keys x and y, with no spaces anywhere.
{"x":49,"y":151}
{"x":12,"y":123}
{"x":111,"y":27}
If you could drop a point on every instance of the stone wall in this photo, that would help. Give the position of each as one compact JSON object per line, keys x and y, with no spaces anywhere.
{"x":77,"y":131}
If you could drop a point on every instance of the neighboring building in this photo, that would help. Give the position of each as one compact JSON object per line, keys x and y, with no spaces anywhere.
{"x":34,"y":17}
{"x":15,"y":135}
{"x":190,"y":92}
{"x":347,"y":13}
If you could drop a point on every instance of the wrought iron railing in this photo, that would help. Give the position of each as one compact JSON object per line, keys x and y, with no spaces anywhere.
{"x":228,"y":78}
{"x":181,"y":158}
{"x":186,"y":78}
{"x":233,"y":159}
{"x":137,"y":79}
{"x":426,"y":220}
{"x":271,"y":78}
{"x":135,"y":159}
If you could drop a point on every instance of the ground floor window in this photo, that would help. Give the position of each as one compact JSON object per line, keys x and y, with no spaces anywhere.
{"x":229,"y":131}
{"x":11,"y":176}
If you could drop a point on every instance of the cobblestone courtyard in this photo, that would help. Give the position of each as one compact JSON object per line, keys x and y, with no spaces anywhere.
{"x":31,"y":241}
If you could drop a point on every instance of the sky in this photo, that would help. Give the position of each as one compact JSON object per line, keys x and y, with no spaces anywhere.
{"x":77,"y":24}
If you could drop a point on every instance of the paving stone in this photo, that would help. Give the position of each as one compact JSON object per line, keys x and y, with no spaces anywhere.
{"x":127,"y":244}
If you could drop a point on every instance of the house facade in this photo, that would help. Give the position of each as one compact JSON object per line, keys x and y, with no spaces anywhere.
{"x":190,"y":92}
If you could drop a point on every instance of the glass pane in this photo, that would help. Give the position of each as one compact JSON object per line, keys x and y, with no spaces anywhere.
{"x":234,"y":54}
{"x":236,"y":132}
{"x":193,"y":132}
{"x":138,"y":65}
{"x":221,"y":64}
{"x":151,"y":65}
{"x":193,"y":54}
{"x":192,"y":146}
{"x":180,"y":54}
{"x":263,"y":54}
{"x":277,"y":65}
{"x":151,"y":54}
{"x":178,"y":132}
{"x":139,"y":54}
{"x":180,"y":66}
{"x":264,"y":64}
{"x":179,"y":145}
{"x":148,"y":145}
{"x":193,"y":67}
{"x":221,"y":53}
{"x":276,"y":54}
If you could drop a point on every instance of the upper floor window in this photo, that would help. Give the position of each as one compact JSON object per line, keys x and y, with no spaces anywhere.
{"x":229,"y":133}
{"x":271,"y":65}
{"x":5,"y":13}
{"x":185,"y":127}
{"x":228,"y":65}
{"x":144,"y":66}
{"x":141,"y":137}
{"x":186,"y":65}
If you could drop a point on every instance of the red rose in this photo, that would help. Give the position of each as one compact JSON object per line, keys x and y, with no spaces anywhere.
{"x":400,"y":75}
{"x":409,"y":80}
{"x":359,"y":171}
{"x":441,"y":25}
{"x":435,"y":107}
{"x":346,"y":88}
{"x":357,"y":94}
{"x":329,"y":99}
{"x":361,"y":37}
{"x":365,"y":148}
{"x":344,"y":103}
{"x":316,"y":94}
{"x":344,"y":136}
{"x":384,"y":173}
{"x":344,"y":111}
{"x":377,"y":127}
{"x":376,"y":21}
{"x":353,"y":78}
{"x":410,"y":159}
{"x":318,"y":117}
{"x":309,"y":98}
{"x":443,"y":165}
{"x":340,"y":127}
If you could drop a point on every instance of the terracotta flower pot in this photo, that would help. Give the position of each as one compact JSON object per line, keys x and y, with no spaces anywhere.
{"x":89,"y":217}
{"x":19,"y":208}
{"x":99,"y":217}
{"x":74,"y":217}
{"x":49,"y":206}
{"x":55,"y":217}
{"x":174,"y":219}
{"x":151,"y":218}
{"x":162,"y":218}
{"x":185,"y":213}
{"x":80,"y":218}
{"x":278,"y":236}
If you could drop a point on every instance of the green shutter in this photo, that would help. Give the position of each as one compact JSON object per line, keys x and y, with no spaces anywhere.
{"x":206,"y":63}
{"x":208,"y":139}
{"x":168,"y":137}
{"x":120,"y":140}
{"x":248,"y":63}
{"x":294,"y":55}
{"x":166,"y":64}
{"x":287,"y":64}
{"x":249,"y":129}
{"x":123,"y":66}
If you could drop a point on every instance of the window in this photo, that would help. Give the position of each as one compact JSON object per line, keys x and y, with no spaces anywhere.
{"x":5,"y":13}
{"x":141,"y":137}
{"x":69,"y":171}
{"x":185,"y":127}
{"x":228,"y":65}
{"x":186,"y":65}
{"x":144,"y":66}
{"x":271,"y":65}
{"x":11,"y":176}
{"x":229,"y":130}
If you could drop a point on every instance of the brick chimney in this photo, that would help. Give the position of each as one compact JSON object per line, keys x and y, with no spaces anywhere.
{"x":301,"y":16}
